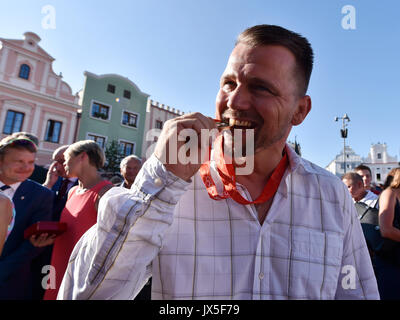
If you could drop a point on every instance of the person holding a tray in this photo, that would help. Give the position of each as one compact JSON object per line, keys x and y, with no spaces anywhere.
{"x":32,"y":203}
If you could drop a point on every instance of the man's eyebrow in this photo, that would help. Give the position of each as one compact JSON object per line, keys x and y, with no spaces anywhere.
{"x":226,"y":76}
{"x":269,"y":84}
{"x":255,"y":80}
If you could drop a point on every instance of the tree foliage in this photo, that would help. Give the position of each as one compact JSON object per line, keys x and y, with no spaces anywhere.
{"x":113,"y":157}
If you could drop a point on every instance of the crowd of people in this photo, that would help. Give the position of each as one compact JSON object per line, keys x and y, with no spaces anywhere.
{"x":70,"y":194}
{"x":286,"y":230}
{"x":385,"y":199}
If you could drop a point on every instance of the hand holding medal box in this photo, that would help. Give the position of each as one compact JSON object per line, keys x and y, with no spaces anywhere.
{"x":48,"y":227}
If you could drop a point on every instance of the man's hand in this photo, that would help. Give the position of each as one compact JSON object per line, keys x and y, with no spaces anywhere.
{"x":52,"y":175}
{"x":171,"y":149}
{"x":42,"y":240}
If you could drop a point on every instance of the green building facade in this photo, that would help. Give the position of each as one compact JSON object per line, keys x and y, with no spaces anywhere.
{"x":113,"y":108}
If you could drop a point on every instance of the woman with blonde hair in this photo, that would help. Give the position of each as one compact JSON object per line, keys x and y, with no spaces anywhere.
{"x":387,"y":265}
{"x":83,"y":160}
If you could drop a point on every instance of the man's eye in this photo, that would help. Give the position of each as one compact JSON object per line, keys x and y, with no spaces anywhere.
{"x":261,"y":88}
{"x":227,"y":85}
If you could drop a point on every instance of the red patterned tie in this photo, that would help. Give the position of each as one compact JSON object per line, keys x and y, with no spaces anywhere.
{"x":63,"y":189}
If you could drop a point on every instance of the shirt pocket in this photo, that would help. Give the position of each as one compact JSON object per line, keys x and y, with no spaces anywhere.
{"x":315,"y":263}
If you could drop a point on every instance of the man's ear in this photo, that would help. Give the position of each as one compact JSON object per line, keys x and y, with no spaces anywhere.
{"x":83,"y":155}
{"x":303,"y":108}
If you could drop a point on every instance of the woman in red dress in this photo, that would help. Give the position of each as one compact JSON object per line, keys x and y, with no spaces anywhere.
{"x":83,"y":159}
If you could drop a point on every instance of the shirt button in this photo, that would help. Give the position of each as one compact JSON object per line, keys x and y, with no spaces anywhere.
{"x":261,"y":275}
{"x":158,"y":182}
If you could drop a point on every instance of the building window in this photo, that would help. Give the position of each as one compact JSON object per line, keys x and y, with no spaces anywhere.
{"x":127,"y":94}
{"x":126,"y":148}
{"x":111,"y":88}
{"x":159,"y":124}
{"x":53,"y":131}
{"x":100,"y":111}
{"x":130,"y":119}
{"x":379,"y":155}
{"x":378,"y":177}
{"x":24,"y":71}
{"x":13,"y":122}
{"x":101,"y":141}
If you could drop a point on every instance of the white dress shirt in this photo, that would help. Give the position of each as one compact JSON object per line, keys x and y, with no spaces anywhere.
{"x":10,"y":191}
{"x":310,"y":246}
{"x":370,"y":199}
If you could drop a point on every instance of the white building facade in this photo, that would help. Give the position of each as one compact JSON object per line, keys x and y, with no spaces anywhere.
{"x":380,"y":162}
{"x":342,"y":164}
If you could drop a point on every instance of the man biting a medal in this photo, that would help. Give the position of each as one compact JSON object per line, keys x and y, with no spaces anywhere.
{"x":286,"y":230}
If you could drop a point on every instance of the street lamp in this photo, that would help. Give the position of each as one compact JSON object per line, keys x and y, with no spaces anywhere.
{"x":343,"y":133}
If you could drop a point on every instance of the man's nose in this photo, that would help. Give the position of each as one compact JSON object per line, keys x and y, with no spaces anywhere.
{"x":239,"y":99}
{"x":27,"y":166}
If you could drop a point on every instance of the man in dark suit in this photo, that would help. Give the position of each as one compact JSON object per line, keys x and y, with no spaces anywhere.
{"x":39,"y":173}
{"x":58,"y":182}
{"x":33,"y":203}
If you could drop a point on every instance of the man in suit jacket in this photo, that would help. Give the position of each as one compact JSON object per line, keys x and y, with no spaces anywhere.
{"x":58,"y":182}
{"x":39,"y":173}
{"x":32,"y":203}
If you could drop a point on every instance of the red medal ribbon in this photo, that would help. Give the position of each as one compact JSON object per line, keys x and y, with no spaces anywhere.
{"x":228,"y":177}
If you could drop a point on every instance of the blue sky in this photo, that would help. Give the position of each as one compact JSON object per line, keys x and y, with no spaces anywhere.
{"x":176,"y":50}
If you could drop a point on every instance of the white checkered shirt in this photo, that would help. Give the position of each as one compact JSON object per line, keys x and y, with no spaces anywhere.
{"x":310,"y":245}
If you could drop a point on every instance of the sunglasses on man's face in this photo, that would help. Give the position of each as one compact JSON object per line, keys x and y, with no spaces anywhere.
{"x":19,"y":143}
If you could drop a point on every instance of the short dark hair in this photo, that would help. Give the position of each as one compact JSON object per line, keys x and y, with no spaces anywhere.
{"x":29,"y":135}
{"x":19,"y":143}
{"x":354,"y":177}
{"x":363,"y":167}
{"x":266,"y":34}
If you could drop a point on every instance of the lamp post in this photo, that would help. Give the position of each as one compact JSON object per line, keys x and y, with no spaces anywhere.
{"x":343,"y":133}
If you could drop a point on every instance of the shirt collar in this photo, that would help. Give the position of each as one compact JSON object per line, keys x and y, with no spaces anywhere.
{"x":295,"y":162}
{"x":13,"y":186}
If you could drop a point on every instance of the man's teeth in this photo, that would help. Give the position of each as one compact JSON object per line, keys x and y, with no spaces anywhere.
{"x":234,"y":122}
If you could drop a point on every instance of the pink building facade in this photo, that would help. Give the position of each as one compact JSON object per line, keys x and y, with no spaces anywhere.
{"x":35,"y":99}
